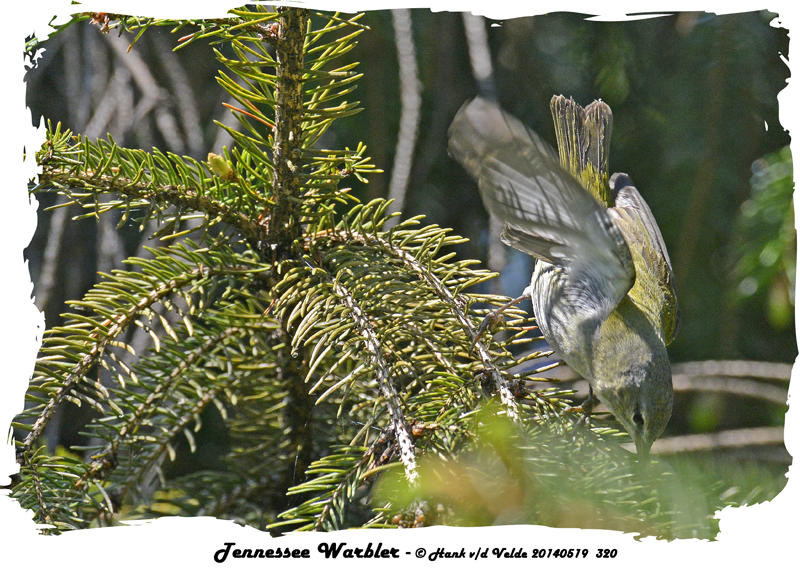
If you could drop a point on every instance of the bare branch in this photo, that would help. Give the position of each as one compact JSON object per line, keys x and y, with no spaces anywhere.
{"x":739,"y":438}
{"x":410,"y":103}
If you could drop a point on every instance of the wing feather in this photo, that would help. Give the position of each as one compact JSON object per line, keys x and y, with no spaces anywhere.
{"x":655,"y":286}
{"x":546,"y":212}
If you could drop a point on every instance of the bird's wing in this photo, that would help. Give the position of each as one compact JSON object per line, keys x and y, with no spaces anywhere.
{"x":546,"y":211}
{"x":655,"y":284}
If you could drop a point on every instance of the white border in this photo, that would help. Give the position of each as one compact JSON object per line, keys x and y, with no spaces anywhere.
{"x":758,"y":534}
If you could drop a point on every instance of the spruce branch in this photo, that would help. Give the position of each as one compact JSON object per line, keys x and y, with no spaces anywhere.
{"x":84,"y":171}
{"x":114,"y":326}
{"x":289,"y":111}
{"x":45,"y":487}
{"x":455,"y":303}
{"x":117,"y":304}
{"x":105,"y":461}
{"x":151,"y":457}
{"x":372,"y":345}
{"x":338,"y":477}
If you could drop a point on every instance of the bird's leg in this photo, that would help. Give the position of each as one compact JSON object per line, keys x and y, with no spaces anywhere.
{"x":585,"y":409}
{"x":588,"y":407}
{"x":494,"y":317}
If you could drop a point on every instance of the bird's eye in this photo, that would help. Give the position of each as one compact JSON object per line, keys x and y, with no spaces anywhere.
{"x":638,"y":418}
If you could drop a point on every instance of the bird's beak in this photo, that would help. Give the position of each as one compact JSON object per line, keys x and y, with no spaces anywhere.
{"x":643,"y":451}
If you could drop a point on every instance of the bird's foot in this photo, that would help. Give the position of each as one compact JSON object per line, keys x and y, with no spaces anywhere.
{"x":585,"y":408}
{"x":494,"y":317}
{"x":489,"y":322}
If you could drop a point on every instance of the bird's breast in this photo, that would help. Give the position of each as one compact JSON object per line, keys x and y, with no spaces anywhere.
{"x":590,"y":346}
{"x":567,"y":331}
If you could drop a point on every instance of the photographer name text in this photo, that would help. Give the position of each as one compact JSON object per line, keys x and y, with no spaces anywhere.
{"x":341,"y":550}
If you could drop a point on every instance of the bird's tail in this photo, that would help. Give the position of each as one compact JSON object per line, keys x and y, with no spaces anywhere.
{"x":584,"y":139}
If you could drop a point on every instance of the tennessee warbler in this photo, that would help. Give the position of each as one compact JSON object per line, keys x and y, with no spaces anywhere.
{"x":602,"y":287}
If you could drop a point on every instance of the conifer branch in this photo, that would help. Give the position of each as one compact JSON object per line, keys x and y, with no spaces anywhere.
{"x":186,"y":199}
{"x":105,"y":461}
{"x":116,"y":325}
{"x":289,"y":112}
{"x":152,"y":456}
{"x":372,"y":343}
{"x":456,"y":305}
{"x":339,"y":485}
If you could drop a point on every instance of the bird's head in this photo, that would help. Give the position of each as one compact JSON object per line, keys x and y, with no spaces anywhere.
{"x":638,"y":392}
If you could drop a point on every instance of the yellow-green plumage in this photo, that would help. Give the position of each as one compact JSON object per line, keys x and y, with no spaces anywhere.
{"x":584,"y":140}
{"x":654,"y":288}
{"x":602,"y":287}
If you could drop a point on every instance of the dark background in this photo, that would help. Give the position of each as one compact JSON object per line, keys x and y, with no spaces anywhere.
{"x":694,"y":97}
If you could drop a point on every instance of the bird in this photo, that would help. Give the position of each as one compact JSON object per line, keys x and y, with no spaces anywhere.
{"x":602,"y":288}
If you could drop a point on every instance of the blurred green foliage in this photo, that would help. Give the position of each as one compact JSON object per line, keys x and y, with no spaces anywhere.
{"x":766,"y":242}
{"x":546,"y":478}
